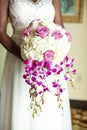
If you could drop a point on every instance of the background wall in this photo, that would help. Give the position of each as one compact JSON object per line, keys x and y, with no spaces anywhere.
{"x":78,"y":51}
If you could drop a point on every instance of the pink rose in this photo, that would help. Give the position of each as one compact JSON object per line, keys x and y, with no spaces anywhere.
{"x":42,"y":31}
{"x":68,"y":36}
{"x":48,"y":55}
{"x":57,"y":34}
{"x":26,"y":31}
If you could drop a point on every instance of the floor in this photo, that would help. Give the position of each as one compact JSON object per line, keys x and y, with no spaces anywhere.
{"x":79,"y":119}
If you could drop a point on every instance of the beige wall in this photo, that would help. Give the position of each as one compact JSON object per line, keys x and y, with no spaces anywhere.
{"x":2,"y":60}
{"x":78,"y":50}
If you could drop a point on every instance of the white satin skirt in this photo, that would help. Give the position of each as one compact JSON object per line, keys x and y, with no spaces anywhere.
{"x":15,"y":114}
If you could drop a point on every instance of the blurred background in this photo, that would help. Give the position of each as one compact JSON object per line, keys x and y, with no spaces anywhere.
{"x":79,"y":52}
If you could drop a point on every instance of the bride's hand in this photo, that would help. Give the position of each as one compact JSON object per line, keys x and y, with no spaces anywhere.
{"x":7,"y":42}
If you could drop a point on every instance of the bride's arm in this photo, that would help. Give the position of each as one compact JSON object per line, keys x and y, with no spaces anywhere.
{"x":58,"y":14}
{"x":5,"y":40}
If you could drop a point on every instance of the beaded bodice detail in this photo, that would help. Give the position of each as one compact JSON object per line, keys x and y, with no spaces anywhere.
{"x":22,"y":12}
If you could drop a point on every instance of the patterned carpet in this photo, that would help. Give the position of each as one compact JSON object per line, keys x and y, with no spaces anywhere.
{"x":79,"y":119}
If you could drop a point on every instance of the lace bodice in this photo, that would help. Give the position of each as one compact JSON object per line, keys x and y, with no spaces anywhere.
{"x":23,"y":11}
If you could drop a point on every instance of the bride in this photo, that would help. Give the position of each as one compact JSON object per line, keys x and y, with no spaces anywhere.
{"x":15,"y":114}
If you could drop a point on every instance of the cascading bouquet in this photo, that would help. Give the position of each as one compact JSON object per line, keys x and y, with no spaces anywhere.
{"x":44,"y":51}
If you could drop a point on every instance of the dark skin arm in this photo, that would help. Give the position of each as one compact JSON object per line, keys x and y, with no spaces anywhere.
{"x":58,"y":14}
{"x":5,"y":40}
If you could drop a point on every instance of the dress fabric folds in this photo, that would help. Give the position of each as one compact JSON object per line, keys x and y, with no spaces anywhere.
{"x":15,"y":112}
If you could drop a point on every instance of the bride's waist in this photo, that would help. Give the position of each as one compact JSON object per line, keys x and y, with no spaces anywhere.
{"x":18,"y":30}
{"x":17,"y":36}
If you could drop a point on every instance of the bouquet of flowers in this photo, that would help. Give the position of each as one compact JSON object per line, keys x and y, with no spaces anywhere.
{"x":44,"y":51}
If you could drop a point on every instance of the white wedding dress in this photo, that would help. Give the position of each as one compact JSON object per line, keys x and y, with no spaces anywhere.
{"x":15,"y":114}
